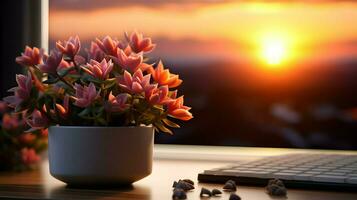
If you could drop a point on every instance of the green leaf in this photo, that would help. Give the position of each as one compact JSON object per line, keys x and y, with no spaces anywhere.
{"x":94,"y":80}
{"x":74,"y":76}
{"x":170,"y":123}
{"x":84,"y":112}
{"x":64,"y":72}
{"x":110,"y":80}
{"x":109,"y":83}
{"x":51,"y":81}
{"x":162,"y":128}
{"x":67,"y":58}
{"x":101,"y":121}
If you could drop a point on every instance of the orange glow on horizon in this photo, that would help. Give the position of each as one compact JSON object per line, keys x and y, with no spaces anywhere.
{"x":302,"y":28}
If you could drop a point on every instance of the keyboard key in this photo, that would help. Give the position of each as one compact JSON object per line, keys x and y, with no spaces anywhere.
{"x":326,"y":167}
{"x":312,"y":172}
{"x":352,"y":180}
{"x":329,"y":178}
{"x":284,"y":175}
{"x":352,"y":174}
{"x":245,"y":173}
{"x":291,"y":171}
{"x":300,"y":169}
{"x":341,"y":171}
{"x":334,"y":173}
{"x":348,"y":168}
{"x":280,"y":167}
{"x":320,"y":170}
{"x":303,"y":177}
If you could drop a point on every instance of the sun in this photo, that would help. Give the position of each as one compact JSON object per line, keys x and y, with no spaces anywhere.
{"x":273,"y":50}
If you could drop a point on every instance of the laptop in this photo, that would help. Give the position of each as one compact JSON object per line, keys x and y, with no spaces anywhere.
{"x":267,"y":74}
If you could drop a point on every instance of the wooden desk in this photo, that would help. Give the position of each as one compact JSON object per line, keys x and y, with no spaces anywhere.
{"x":40,"y":185}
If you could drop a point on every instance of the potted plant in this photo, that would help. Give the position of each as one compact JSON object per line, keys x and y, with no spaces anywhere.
{"x":102,"y":108}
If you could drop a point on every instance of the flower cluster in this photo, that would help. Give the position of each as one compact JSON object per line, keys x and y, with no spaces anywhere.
{"x":19,"y":149}
{"x":112,"y":85}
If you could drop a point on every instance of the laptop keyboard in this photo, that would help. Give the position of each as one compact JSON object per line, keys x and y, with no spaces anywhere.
{"x":316,"y":169}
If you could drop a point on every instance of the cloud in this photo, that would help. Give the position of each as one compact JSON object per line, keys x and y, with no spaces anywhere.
{"x":95,"y":4}
{"x":87,"y":5}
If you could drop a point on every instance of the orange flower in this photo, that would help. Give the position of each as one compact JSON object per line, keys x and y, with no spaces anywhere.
{"x":10,"y":121}
{"x":157,"y":95}
{"x":63,"y":109}
{"x":26,"y":138}
{"x":29,"y":156}
{"x":163,"y":76}
{"x":176,"y":109}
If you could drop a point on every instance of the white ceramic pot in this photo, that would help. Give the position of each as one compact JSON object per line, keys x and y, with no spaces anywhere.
{"x":100,"y":155}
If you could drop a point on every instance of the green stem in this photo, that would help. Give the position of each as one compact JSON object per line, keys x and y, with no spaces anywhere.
{"x":75,"y":65}
{"x":64,"y":81}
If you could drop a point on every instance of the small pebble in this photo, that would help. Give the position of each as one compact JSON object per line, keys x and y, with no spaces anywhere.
{"x":276,"y":182}
{"x":184,"y":185}
{"x":234,"y":197}
{"x":276,"y":190}
{"x":189,"y":181}
{"x":216,"y":192}
{"x":231,"y":181}
{"x":205,"y":193}
{"x":174,"y":184}
{"x":230,"y":185}
{"x":179,"y":194}
{"x":276,"y":187}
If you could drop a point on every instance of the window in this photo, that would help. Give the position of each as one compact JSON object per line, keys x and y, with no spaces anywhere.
{"x":256,"y":74}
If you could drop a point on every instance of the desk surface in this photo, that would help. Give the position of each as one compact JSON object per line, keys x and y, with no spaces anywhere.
{"x":40,"y":185}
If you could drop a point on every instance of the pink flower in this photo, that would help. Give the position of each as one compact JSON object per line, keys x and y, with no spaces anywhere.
{"x":99,"y":70}
{"x":157,"y":95}
{"x":85,"y":95}
{"x":63,"y":110}
{"x":140,"y":44}
{"x":95,"y":53}
{"x":65,"y":65}
{"x":37,"y":121}
{"x":29,"y":156}
{"x":129,"y":62}
{"x":10,"y":122}
{"x":117,"y":103}
{"x":137,"y":83}
{"x":26,"y":138}
{"x":164,"y":77}
{"x":108,"y":45}
{"x":176,"y":109}
{"x":30,"y":57}
{"x":3,"y":107}
{"x":51,"y":62}
{"x":70,"y":47}
{"x":21,"y":92}
{"x":126,"y":49}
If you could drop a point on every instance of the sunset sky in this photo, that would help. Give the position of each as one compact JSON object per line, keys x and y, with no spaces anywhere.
{"x":269,"y":33}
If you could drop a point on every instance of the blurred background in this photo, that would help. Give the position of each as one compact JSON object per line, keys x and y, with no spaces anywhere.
{"x":257,"y":73}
